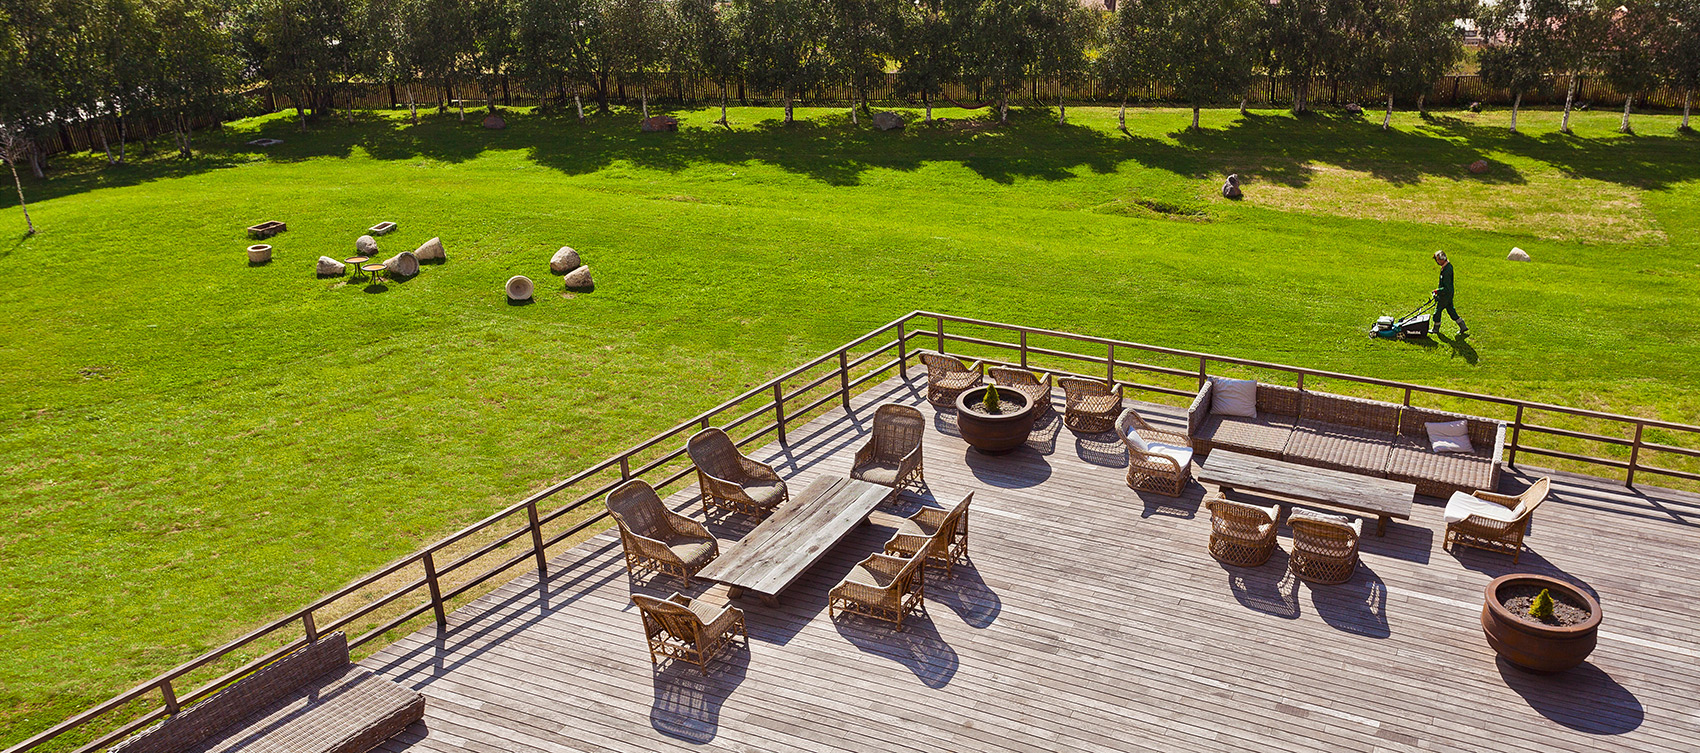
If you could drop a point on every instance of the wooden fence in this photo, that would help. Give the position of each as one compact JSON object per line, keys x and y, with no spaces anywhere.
{"x":501,"y":546}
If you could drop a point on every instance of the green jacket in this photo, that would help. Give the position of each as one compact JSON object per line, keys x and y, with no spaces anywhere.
{"x":1444,"y":292}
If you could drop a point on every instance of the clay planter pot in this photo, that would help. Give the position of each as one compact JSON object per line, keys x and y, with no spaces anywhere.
{"x":997,"y":434}
{"x":259,"y":253}
{"x":1532,"y":645}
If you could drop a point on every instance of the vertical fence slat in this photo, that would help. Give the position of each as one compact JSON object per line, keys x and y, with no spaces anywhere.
{"x":436,"y":592}
{"x":537,"y":534}
{"x":844,"y":378}
{"x":779,"y":409}
{"x":1516,"y":437}
{"x":1634,"y":455}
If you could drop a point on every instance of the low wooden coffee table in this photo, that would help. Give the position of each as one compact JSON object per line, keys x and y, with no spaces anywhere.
{"x":795,"y":536}
{"x":1365,"y":494}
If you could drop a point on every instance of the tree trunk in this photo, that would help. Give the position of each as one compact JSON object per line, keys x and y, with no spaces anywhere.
{"x":1623,"y":127}
{"x":393,"y":102}
{"x":36,"y":166}
{"x":927,"y":101}
{"x":1387,"y":120}
{"x":300,"y":115}
{"x":643,"y":98}
{"x":1062,"y":110}
{"x":1687,"y":94}
{"x":1243,"y":98}
{"x":787,"y":105}
{"x":602,"y":93}
{"x":1003,"y":109}
{"x":19,"y":183}
{"x":578,"y":107}
{"x":1569,"y":101}
{"x":723,"y":96}
{"x":743,"y":100}
{"x":105,"y":147}
{"x":412,"y":107}
{"x":1121,"y":116}
{"x":1421,"y":100}
{"x":460,"y":104}
{"x":853,"y":120}
{"x":1515,"y":103}
{"x":506,"y":100}
{"x":1195,"y":118}
{"x":123,"y":140}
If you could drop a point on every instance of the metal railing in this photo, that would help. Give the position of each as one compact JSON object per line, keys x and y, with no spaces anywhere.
{"x":773,"y":406}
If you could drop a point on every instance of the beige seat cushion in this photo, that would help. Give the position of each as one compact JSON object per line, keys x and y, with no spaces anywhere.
{"x":1339,"y":447}
{"x":693,"y":552}
{"x":1413,"y":460}
{"x":1462,"y":506}
{"x":863,"y":576}
{"x":764,"y":493}
{"x":1266,"y":435}
{"x":878,"y":473}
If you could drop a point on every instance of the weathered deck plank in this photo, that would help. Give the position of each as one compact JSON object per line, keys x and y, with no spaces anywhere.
{"x":1092,"y":619}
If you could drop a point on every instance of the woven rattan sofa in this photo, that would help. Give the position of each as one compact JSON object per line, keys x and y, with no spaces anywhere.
{"x":311,"y":701}
{"x":1386,"y":440}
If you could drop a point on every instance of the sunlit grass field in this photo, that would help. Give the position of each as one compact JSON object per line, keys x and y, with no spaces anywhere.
{"x":191,"y":445}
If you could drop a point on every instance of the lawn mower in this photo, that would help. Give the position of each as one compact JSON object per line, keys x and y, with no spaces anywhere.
{"x":1414,"y":324}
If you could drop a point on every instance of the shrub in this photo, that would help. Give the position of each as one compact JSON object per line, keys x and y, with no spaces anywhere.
{"x":1541,"y":607}
{"x":991,"y":402}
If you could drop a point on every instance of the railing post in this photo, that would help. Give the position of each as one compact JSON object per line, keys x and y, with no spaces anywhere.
{"x":1634,"y":455}
{"x":1203,"y":371}
{"x":1516,"y":432}
{"x":308,"y":627}
{"x":170,"y":695}
{"x":1023,"y":349}
{"x":779,"y":409}
{"x":626,"y":467}
{"x":1111,"y":360}
{"x":1407,"y":397}
{"x":1301,"y":381}
{"x":903,"y":348}
{"x":844,"y":379}
{"x":537,"y":534}
{"x":941,"y":334}
{"x":436,"y":593}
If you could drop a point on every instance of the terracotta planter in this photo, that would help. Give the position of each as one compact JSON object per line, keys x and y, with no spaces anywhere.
{"x":997,"y":434}
{"x":1534,"y":646}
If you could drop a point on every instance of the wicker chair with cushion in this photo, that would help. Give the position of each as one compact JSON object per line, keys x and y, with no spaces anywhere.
{"x":729,"y":480}
{"x":1264,"y":435}
{"x":1343,"y":434}
{"x":1441,"y":474}
{"x":690,"y":630}
{"x":1090,"y":406}
{"x":947,"y":377}
{"x":1036,"y":387}
{"x":1157,"y":461}
{"x":882,"y":587}
{"x":1325,"y":547}
{"x":1241,"y":534}
{"x":1495,"y":522}
{"x":941,"y":533}
{"x":656,"y":538}
{"x":892,"y":454}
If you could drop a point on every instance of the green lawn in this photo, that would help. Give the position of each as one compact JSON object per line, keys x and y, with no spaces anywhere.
{"x":191,"y":445}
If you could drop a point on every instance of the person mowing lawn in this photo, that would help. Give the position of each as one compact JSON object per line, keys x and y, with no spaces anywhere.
{"x":1443,"y":296}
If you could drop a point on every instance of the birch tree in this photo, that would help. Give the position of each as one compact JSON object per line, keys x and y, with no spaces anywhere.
{"x":1521,"y":39}
{"x":706,"y":33}
{"x":1629,"y":53}
{"x":922,"y":44}
{"x":1201,"y":47}
{"x":1128,"y":59}
{"x":13,"y":147}
{"x":1678,"y":50}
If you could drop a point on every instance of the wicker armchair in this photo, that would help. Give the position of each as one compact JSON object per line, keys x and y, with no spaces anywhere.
{"x":657,"y":538}
{"x":947,"y":377}
{"x":1494,"y":522}
{"x":882,"y":587}
{"x":687,"y":629}
{"x":1325,"y":547}
{"x":892,"y":455}
{"x":1157,"y":461}
{"x":941,"y":533}
{"x":1090,"y":406}
{"x":729,"y":480}
{"x":1241,"y":534}
{"x":1036,"y":387}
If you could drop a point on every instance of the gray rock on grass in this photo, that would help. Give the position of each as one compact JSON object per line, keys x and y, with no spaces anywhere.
{"x":404,"y":264}
{"x":1517,"y":254}
{"x":887,"y":120}
{"x":564,"y":261}
{"x":331,"y":267}
{"x":430,"y":250}
{"x":579,"y":279}
{"x":366,"y":245}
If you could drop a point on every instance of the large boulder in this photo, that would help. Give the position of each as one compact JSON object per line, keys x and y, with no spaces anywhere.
{"x":494,"y":122}
{"x":1479,"y":166}
{"x":886,"y":120}
{"x":330,"y":267}
{"x":1231,"y":187}
{"x":564,"y":261}
{"x":519,"y":288}
{"x":579,"y":279}
{"x":656,"y":123}
{"x":366,"y":245}
{"x":431,"y":250}
{"x":1355,"y":108}
{"x":1517,"y":254}
{"x":404,"y":264}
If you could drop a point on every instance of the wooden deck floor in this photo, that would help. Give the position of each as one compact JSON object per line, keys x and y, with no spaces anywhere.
{"x":1092,"y":619}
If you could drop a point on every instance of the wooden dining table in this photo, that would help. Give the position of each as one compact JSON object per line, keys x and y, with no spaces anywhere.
{"x":798,"y":533}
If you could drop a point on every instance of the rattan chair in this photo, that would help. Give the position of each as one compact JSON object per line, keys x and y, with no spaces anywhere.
{"x":1325,"y":547}
{"x":947,"y":377}
{"x":656,"y":538}
{"x":1473,"y":520}
{"x":892,"y":454}
{"x":941,"y":533}
{"x":1241,"y":534}
{"x":1090,"y":406}
{"x":882,"y":587}
{"x":1157,"y":460}
{"x":687,"y":629}
{"x":729,"y":480}
{"x":1036,"y":387}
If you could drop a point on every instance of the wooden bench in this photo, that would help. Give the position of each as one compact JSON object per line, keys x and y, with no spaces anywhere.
{"x":311,"y":701}
{"x":797,"y":534}
{"x":1377,"y":497}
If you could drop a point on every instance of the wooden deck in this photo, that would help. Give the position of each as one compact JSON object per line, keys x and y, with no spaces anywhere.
{"x":1092,"y":619}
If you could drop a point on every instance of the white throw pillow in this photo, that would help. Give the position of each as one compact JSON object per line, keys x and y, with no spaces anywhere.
{"x":1234,"y":397}
{"x":1450,"y":436}
{"x":1134,"y":439}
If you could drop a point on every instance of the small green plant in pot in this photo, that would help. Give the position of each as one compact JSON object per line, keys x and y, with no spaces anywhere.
{"x":1540,"y":607}
{"x":991,"y":402}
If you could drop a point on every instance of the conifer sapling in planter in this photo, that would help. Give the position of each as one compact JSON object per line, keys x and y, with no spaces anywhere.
{"x":991,"y":403}
{"x":994,"y":421}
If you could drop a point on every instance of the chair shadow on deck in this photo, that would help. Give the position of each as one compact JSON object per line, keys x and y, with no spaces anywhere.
{"x":687,"y":703}
{"x":1357,"y":606}
{"x":1268,"y":588}
{"x":918,"y":647}
{"x":1494,"y":565}
{"x":1043,"y":440}
{"x":1585,"y":699}
{"x":966,"y":594}
{"x":1103,"y":448}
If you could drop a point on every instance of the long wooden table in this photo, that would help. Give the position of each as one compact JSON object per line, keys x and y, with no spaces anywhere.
{"x":1380,"y":497}
{"x":795,"y":536}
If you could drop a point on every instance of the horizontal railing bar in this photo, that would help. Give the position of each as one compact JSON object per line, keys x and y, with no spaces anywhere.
{"x":1688,"y":475}
{"x":829,"y":397}
{"x":1656,"y":447}
{"x":1579,"y":458}
{"x":501,"y":541}
{"x":1555,"y":431}
{"x":366,"y":609}
{"x":391,"y":625}
{"x":863,"y":379}
{"x":1098,"y":378}
{"x":575,"y":529}
{"x":859,"y":360}
{"x":213,"y":686}
{"x":469,"y":585}
{"x":746,"y":418}
{"x":589,"y":497}
{"x":122,"y":731}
